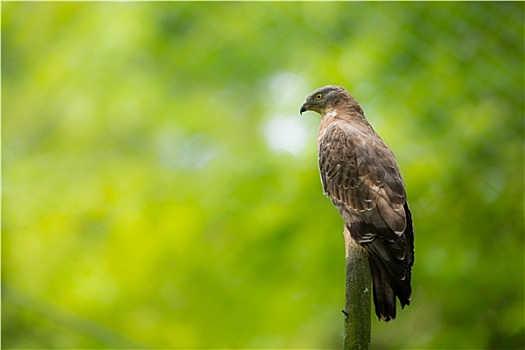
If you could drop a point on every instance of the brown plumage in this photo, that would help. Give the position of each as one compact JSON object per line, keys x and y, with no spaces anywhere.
{"x":360,"y":175}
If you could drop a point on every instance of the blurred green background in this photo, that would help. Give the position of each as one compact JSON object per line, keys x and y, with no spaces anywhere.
{"x":160,"y":189}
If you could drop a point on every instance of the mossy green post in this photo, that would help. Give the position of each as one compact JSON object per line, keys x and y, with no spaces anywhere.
{"x":357,"y":331}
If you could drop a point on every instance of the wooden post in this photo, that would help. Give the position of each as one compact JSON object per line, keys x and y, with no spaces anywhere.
{"x":357,"y":330}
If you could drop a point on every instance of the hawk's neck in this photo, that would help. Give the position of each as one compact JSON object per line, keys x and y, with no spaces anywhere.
{"x":350,"y":113}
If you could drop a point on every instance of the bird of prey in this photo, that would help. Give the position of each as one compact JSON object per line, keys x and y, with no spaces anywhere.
{"x":360,"y":175}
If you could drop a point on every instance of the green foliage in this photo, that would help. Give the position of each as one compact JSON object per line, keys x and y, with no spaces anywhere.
{"x":160,"y":189}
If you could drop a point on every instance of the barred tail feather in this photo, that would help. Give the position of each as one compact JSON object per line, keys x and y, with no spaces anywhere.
{"x":386,"y":288}
{"x":384,"y":297}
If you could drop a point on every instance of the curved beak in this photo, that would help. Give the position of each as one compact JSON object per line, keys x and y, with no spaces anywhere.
{"x":304,"y":108}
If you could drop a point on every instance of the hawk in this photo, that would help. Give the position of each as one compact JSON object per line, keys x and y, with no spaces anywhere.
{"x":360,"y":175}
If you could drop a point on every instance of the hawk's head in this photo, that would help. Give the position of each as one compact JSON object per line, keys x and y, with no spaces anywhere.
{"x":324,"y":98}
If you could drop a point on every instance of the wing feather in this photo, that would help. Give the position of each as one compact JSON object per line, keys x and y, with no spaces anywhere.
{"x":359,"y":173}
{"x":359,"y":170}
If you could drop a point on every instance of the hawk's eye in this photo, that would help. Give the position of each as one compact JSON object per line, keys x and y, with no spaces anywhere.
{"x":318,"y":96}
